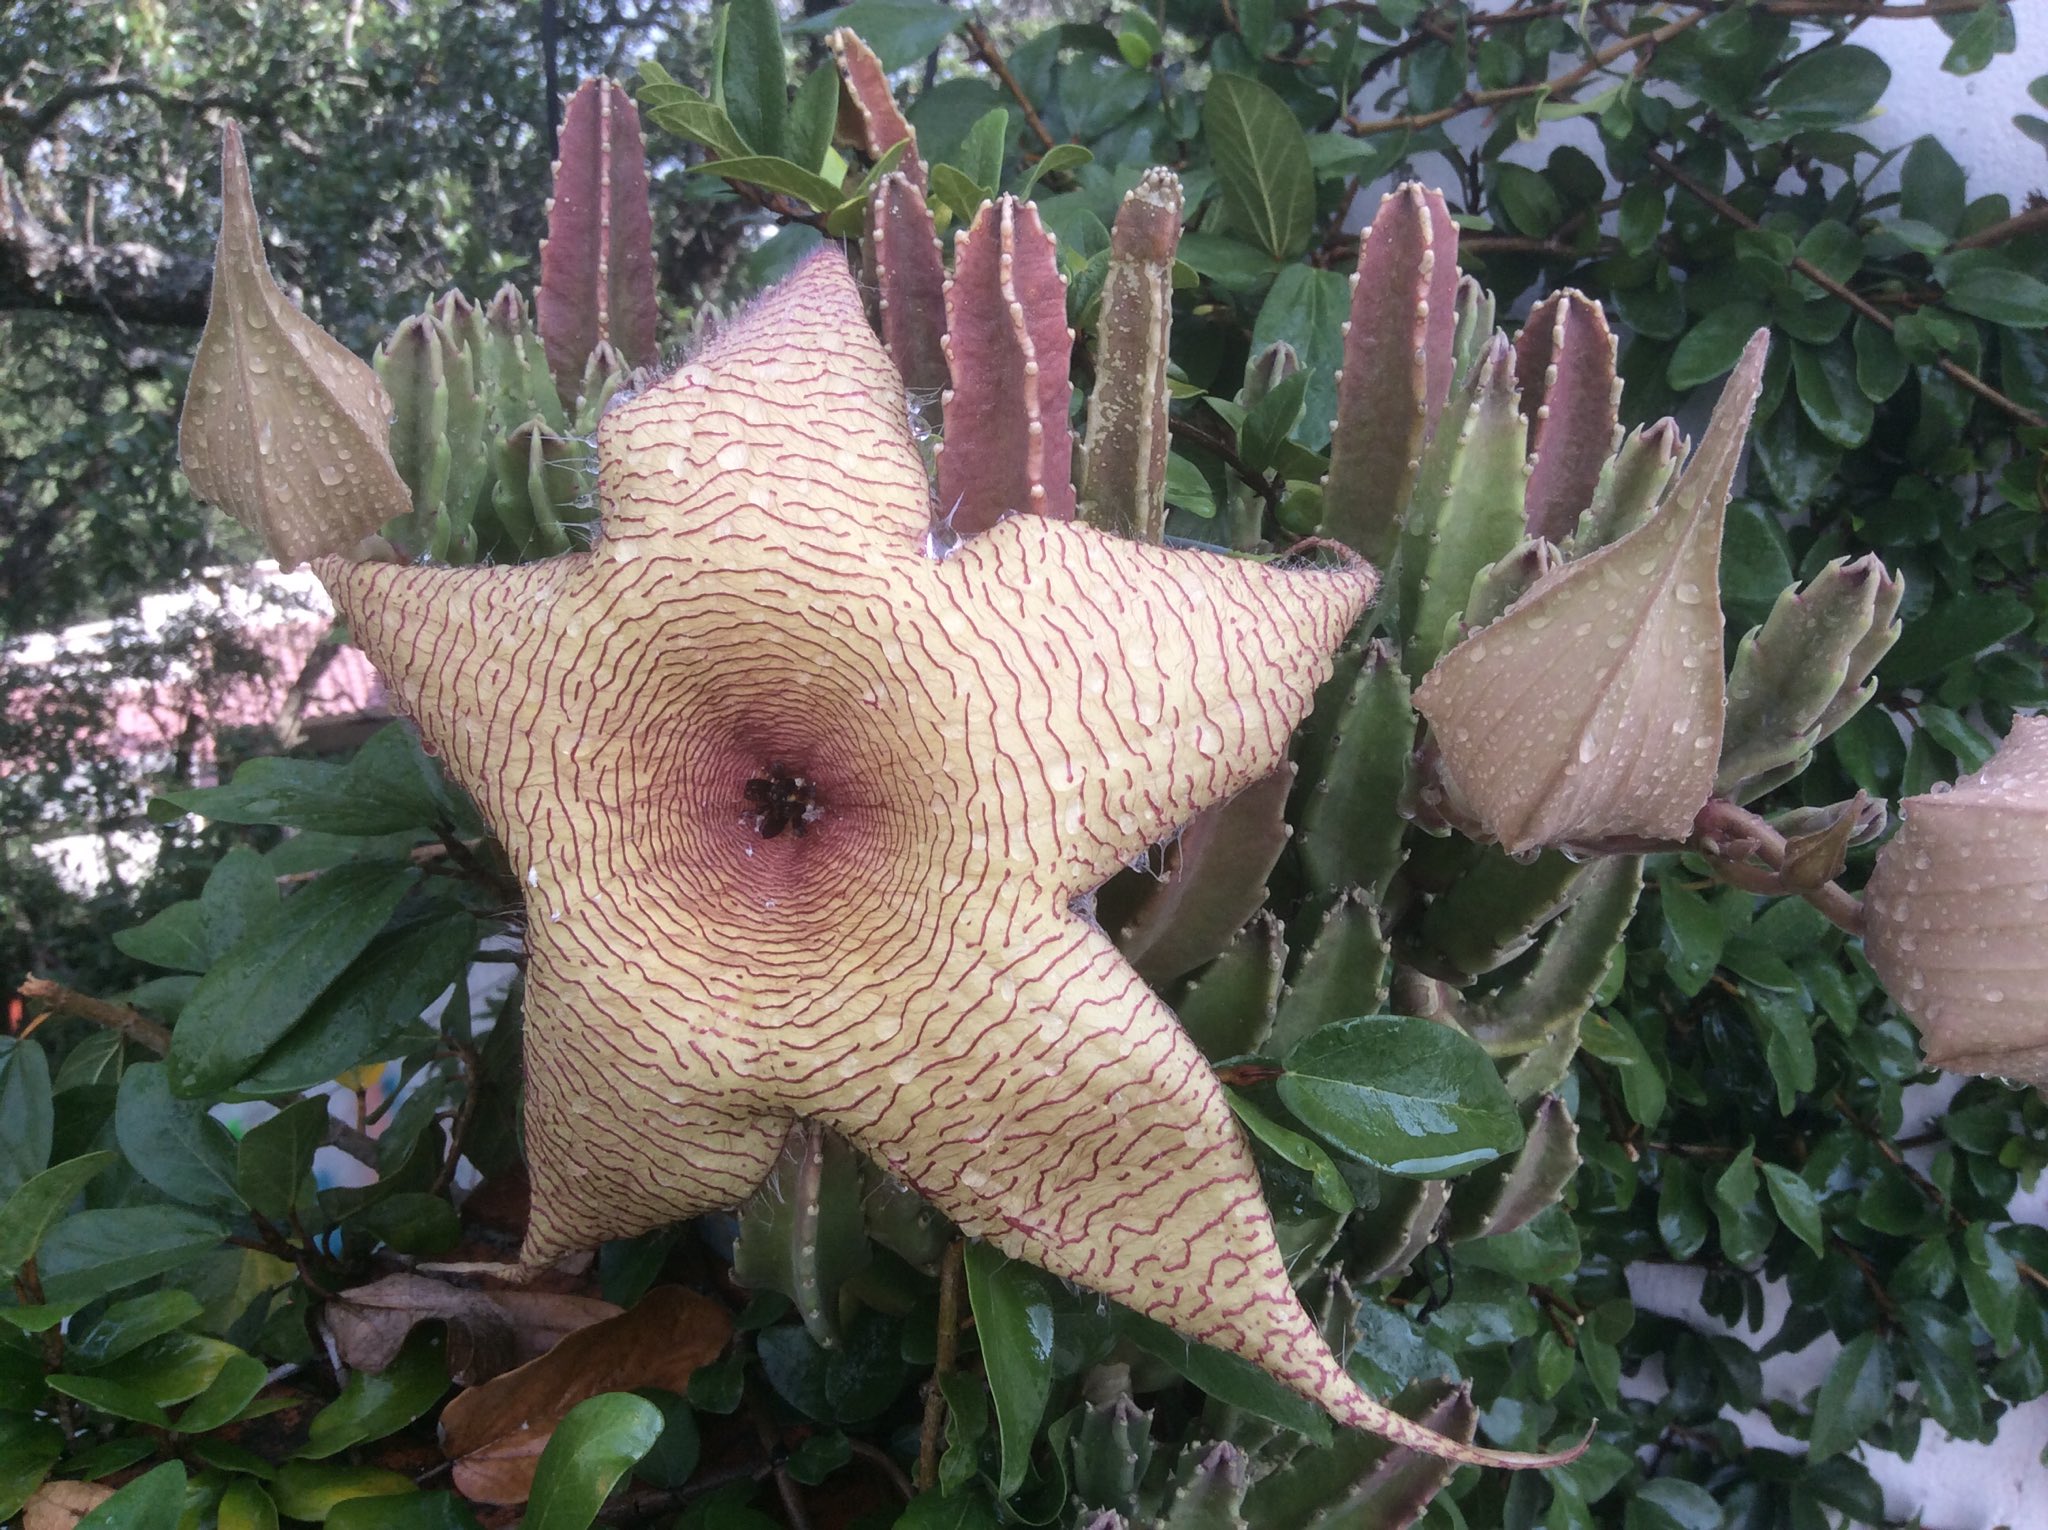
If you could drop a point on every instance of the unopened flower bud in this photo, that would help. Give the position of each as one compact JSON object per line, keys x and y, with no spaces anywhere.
{"x":1957,"y":911}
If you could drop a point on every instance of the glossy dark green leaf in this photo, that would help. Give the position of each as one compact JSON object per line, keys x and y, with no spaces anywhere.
{"x":1829,"y":86}
{"x":1262,"y":163}
{"x":389,"y":787}
{"x":2000,"y":294}
{"x":174,"y":938}
{"x":128,"y":1325}
{"x":1306,"y":309}
{"x":153,"y":1501}
{"x":26,"y":1120}
{"x":1403,"y":1094}
{"x":174,"y":1143}
{"x":1226,"y":1378}
{"x":1681,"y":1210}
{"x":274,"y":1159}
{"x":595,"y":1445}
{"x":373,"y":1405}
{"x":1712,"y":346}
{"x":1880,"y":368}
{"x":252,"y":996}
{"x":752,"y":74}
{"x":28,"y":1449}
{"x":1013,"y":1318}
{"x":812,"y":115}
{"x":1855,"y":1395}
{"x":1951,"y":631}
{"x":1292,"y":1147}
{"x":312,"y":1490}
{"x":233,"y":1388}
{"x":246,"y":1505}
{"x":1830,"y":393}
{"x":93,"y":1252}
{"x":900,"y":31}
{"x":32,"y":1209}
{"x":965,"y":1510}
{"x":1672,"y":1503}
{"x":1931,"y":185}
{"x":1797,"y":1206}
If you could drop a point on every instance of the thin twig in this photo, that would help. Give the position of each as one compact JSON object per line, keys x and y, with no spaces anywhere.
{"x":950,"y":1281}
{"x":991,"y":55}
{"x":132,"y":1023}
{"x":1557,"y":85}
{"x":1259,"y":483}
{"x":886,"y":1464}
{"x":2032,"y":221}
{"x":1806,"y":268}
{"x":785,"y":1485}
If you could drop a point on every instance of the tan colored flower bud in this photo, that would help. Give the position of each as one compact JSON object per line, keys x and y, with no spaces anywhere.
{"x":284,"y":428}
{"x":1589,"y":715}
{"x":1958,"y":914}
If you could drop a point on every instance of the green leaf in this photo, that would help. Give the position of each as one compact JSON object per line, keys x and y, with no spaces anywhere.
{"x":812,"y":116}
{"x":1292,"y":1147}
{"x":1262,"y":163}
{"x":26,"y":1116}
{"x":1060,"y":159}
{"x":1854,"y":1397}
{"x":175,"y":938}
{"x":112,"y":1397}
{"x":957,"y":189}
{"x":1880,"y":368}
{"x":252,"y":996}
{"x":965,"y":1510}
{"x":28,"y":1449}
{"x":1829,"y":393}
{"x":153,"y":1501}
{"x":1640,"y":218}
{"x":1681,"y":1209}
{"x":595,"y":1445}
{"x":1013,"y":1317}
{"x":1529,"y":202}
{"x":1931,"y":185}
{"x":362,"y":1015}
{"x":233,"y":1388}
{"x":1614,"y":1041}
{"x":31,"y":1210}
{"x":246,"y":1506}
{"x":1998,"y":293}
{"x":1713,"y":345}
{"x":1672,"y":1503}
{"x":686,"y":113}
{"x":1829,"y":86}
{"x":274,"y":1160}
{"x":1952,"y":631}
{"x":174,"y":1143}
{"x":753,"y":76}
{"x":1403,"y":1094}
{"x":775,"y":174}
{"x":128,"y":1325}
{"x":372,"y":1406}
{"x":1227,"y":1378}
{"x":1188,"y":487}
{"x":389,"y":787}
{"x":311,"y":1489}
{"x":414,"y":1511}
{"x":94,"y":1252}
{"x":900,"y":31}
{"x":981,"y":151}
{"x":1694,"y":935}
{"x":1797,"y":1206}
{"x":1307,"y":309}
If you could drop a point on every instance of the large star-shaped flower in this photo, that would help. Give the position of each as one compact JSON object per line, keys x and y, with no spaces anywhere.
{"x":808,"y":818}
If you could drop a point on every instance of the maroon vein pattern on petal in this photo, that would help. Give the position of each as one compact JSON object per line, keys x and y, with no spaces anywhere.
{"x":981,"y":738}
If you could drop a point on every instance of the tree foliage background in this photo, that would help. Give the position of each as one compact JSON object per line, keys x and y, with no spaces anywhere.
{"x":1740,"y":1097}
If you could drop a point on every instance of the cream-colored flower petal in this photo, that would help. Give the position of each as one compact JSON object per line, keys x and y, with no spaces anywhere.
{"x":1591,"y":711}
{"x":1958,"y":914}
{"x":284,"y":428}
{"x":803,"y":814}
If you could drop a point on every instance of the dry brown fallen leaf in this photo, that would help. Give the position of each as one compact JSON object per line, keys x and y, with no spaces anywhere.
{"x":495,"y":1433}
{"x":489,"y":1332}
{"x":60,"y":1505}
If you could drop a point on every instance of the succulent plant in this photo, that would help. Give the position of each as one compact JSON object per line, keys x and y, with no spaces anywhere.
{"x":864,"y":864}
